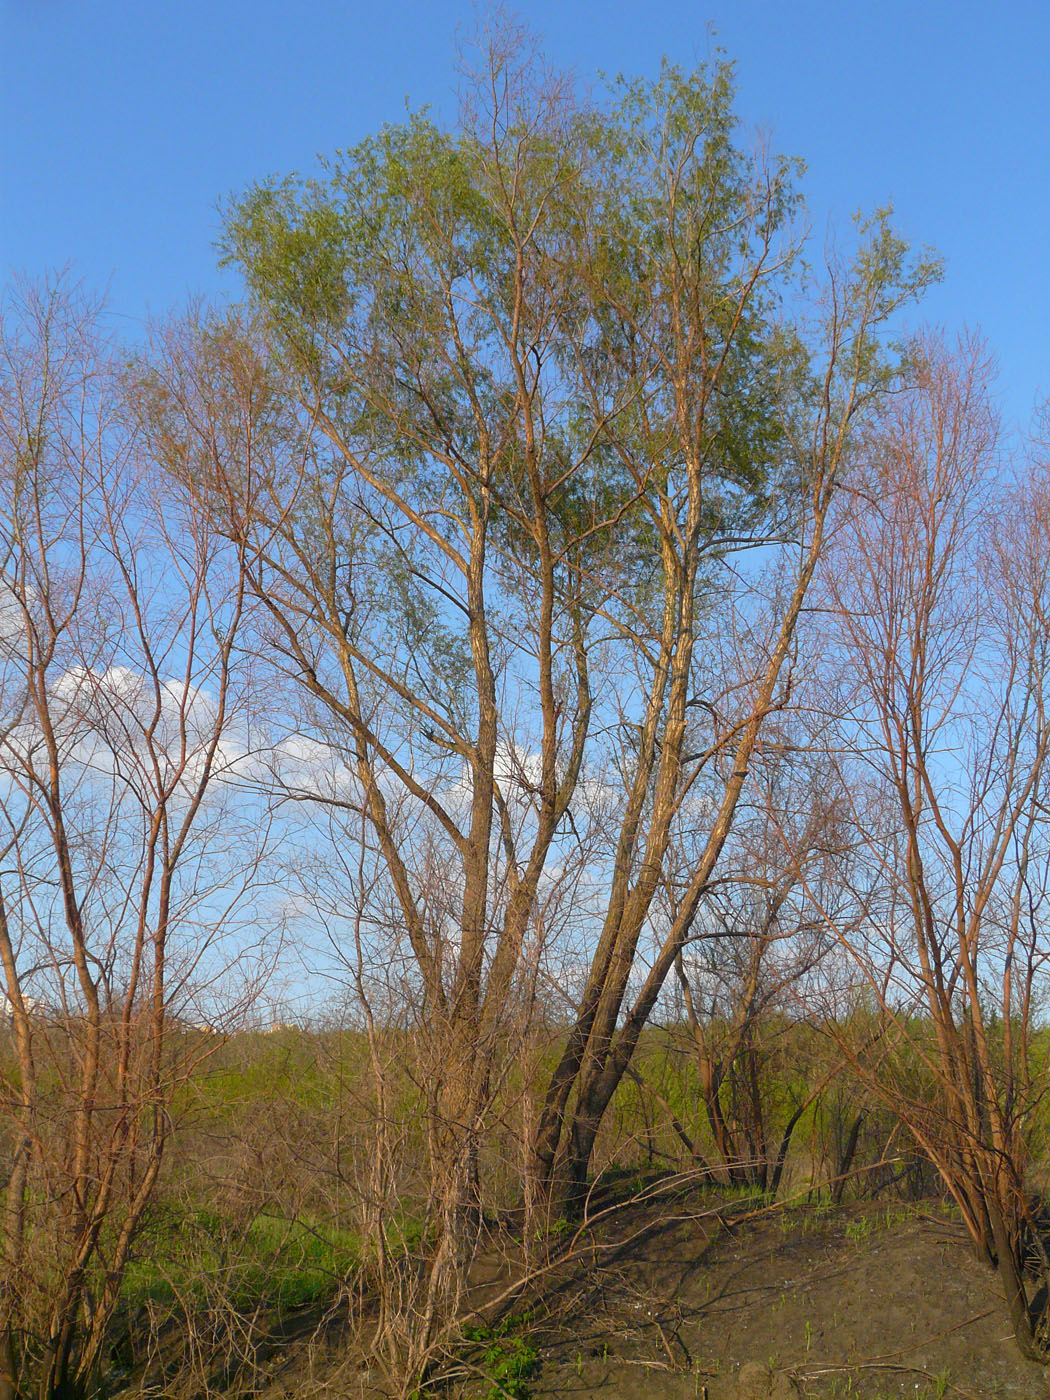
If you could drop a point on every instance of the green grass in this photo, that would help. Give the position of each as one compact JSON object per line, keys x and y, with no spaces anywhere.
{"x":275,"y":1262}
{"x":860,"y":1229}
{"x":936,"y":1389}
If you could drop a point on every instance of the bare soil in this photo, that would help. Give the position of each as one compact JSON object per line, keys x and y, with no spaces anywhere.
{"x":685,"y":1295}
{"x":862,"y":1301}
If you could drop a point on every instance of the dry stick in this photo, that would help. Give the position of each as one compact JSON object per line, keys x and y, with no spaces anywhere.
{"x":881,"y":1361}
{"x":514,"y":1289}
{"x":908,"y":1370}
{"x":666,"y":1344}
{"x":566,"y":1255}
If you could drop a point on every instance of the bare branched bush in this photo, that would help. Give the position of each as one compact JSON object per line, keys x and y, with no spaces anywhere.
{"x":937,"y":712}
{"x":122,"y":857}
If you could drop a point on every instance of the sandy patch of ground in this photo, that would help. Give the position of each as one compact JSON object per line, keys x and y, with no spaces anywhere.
{"x":864,"y":1301}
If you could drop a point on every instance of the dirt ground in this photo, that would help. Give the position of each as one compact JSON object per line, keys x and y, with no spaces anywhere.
{"x":688,"y":1296}
{"x":861,"y":1301}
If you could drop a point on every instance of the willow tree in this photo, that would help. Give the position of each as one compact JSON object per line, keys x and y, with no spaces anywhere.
{"x":545,"y":405}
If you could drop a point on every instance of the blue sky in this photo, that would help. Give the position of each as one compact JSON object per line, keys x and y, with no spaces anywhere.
{"x":123,"y":124}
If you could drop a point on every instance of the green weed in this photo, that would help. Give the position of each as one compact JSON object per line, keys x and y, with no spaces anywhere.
{"x":556,"y":1229}
{"x":507,"y":1359}
{"x":859,"y":1230}
{"x":846,"y":1389}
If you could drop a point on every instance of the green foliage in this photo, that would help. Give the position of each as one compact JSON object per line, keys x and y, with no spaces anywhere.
{"x":633,"y":256}
{"x":507,"y":1359}
{"x":273,"y":1261}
